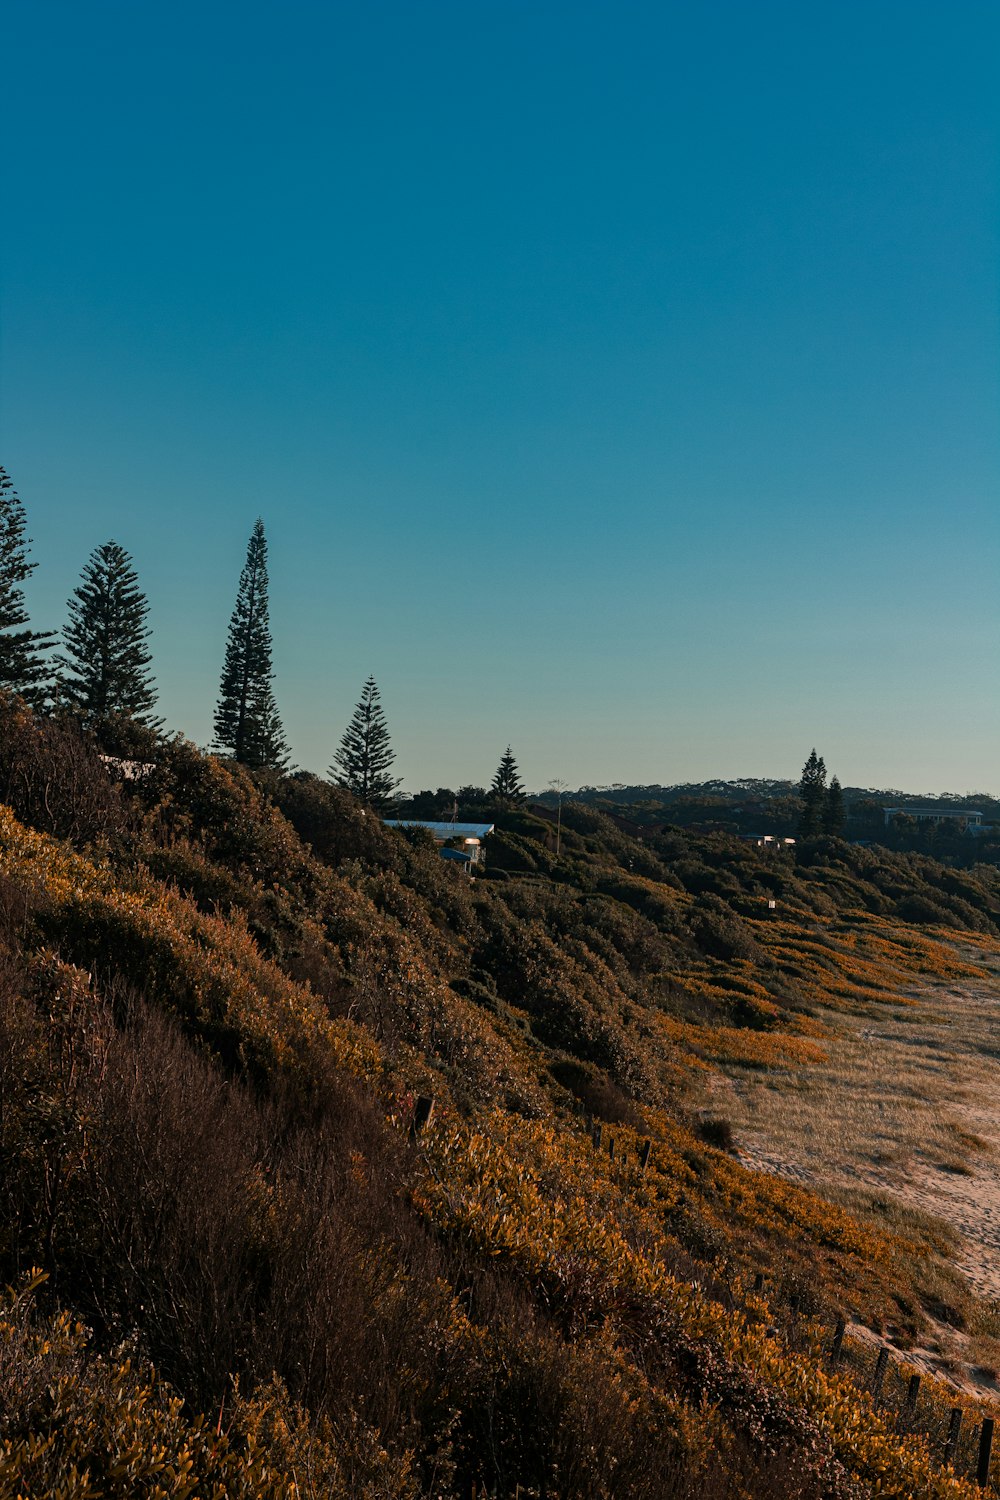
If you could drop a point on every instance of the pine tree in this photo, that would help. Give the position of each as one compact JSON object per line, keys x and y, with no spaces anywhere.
{"x":22,"y":668}
{"x":833,"y":809}
{"x":507,"y":788}
{"x":362,"y":761}
{"x":247,"y":724}
{"x":812,"y":790}
{"x":104,"y":674}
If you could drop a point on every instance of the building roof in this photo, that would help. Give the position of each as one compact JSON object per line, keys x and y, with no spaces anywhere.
{"x":443,"y":830}
{"x":459,"y":854}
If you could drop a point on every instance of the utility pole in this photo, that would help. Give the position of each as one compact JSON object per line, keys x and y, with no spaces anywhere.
{"x":558,"y":786}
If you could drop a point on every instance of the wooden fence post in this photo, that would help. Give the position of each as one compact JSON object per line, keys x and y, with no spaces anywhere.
{"x":879,"y":1376}
{"x":985,"y":1445}
{"x":597,"y":1136}
{"x":912,"y":1391}
{"x":611,"y":1148}
{"x":423,"y":1110}
{"x":954,"y":1428}
{"x":644,"y":1155}
{"x":838,"y":1340}
{"x":758,"y":1282}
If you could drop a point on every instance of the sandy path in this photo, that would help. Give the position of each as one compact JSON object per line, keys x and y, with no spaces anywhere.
{"x":908,"y":1106}
{"x":905,"y":1112}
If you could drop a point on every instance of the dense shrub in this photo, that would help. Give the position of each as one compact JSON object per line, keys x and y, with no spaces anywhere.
{"x":596,"y":1093}
{"x":720,"y":933}
{"x":53,"y":777}
{"x":914,"y":907}
{"x":213,"y":1031}
{"x":511,"y":852}
{"x":715,"y":1131}
{"x":332,"y":822}
{"x":78,"y":1426}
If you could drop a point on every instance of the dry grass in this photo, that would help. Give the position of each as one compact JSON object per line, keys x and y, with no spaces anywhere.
{"x":900,"y":1122}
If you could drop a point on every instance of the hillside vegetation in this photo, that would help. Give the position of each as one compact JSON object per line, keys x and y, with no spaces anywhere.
{"x":237,"y":1268}
{"x":755,"y":806}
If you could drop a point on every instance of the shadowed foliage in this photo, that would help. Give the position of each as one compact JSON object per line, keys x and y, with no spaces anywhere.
{"x":221,"y":994}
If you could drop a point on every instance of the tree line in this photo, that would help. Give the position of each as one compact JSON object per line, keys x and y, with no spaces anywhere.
{"x":103,"y":673}
{"x":822,"y":805}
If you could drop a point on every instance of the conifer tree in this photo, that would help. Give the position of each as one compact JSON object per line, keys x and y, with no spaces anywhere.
{"x":833,"y":809}
{"x":507,"y":789}
{"x":365,"y":754}
{"x":812,"y":790}
{"x":247,"y":723}
{"x":105,"y":674}
{"x":22,"y":667}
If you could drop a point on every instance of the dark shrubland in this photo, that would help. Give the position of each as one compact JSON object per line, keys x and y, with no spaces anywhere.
{"x":53,"y":777}
{"x":222,"y":992}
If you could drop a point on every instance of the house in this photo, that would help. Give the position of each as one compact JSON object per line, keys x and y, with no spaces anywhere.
{"x":128,"y":770}
{"x":458,"y":857}
{"x":463,"y":841}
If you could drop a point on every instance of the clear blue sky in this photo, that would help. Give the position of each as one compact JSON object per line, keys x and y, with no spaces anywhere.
{"x":620,"y":381}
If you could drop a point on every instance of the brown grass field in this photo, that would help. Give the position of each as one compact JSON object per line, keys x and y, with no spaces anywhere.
{"x":900,"y":1122}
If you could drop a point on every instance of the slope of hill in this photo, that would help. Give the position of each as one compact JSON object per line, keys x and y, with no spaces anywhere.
{"x":223,"y":999}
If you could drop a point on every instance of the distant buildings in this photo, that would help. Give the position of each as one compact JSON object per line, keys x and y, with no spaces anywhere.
{"x":973,"y":820}
{"x":460,"y":843}
{"x":767,"y":840}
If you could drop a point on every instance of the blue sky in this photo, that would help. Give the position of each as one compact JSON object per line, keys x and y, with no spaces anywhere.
{"x":621,"y":382}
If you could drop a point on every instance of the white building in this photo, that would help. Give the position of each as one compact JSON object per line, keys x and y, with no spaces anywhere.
{"x":464,"y":840}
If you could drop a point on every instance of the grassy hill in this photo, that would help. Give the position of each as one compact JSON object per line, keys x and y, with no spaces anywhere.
{"x":236,"y":1266}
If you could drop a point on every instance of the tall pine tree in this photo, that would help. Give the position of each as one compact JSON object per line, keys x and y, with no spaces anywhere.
{"x":247,"y":724}
{"x":23,"y":669}
{"x":507,"y":789}
{"x":104,"y":674}
{"x":812,"y":790}
{"x":365,"y":754}
{"x":833,"y":809}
